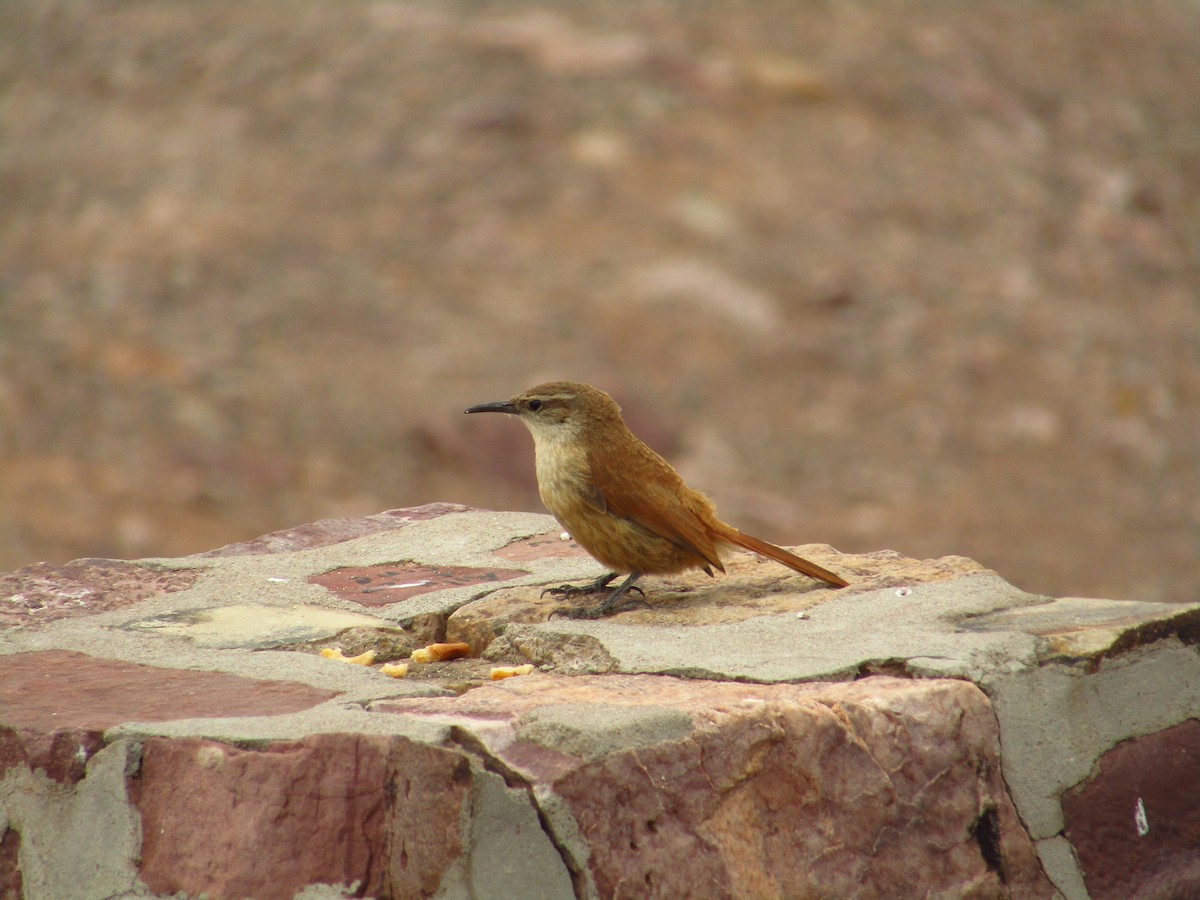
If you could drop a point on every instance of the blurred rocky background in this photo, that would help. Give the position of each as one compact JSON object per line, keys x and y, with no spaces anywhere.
{"x":920,"y":275}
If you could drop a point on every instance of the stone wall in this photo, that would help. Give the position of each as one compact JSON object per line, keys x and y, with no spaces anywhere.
{"x":171,"y":726}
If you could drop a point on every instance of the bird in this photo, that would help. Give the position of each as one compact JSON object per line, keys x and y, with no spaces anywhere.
{"x":619,"y":500}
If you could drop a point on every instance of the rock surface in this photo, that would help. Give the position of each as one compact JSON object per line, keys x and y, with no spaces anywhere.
{"x":929,"y":726}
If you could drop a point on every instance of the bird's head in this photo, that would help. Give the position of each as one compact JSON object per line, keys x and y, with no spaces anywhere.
{"x":557,"y":410}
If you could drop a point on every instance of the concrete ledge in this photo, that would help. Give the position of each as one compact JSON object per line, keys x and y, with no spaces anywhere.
{"x":170,"y":726}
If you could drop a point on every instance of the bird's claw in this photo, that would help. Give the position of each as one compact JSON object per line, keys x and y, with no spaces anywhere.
{"x":608,"y":605}
{"x":568,"y":590}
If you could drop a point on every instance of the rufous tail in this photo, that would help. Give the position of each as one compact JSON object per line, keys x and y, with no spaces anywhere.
{"x":791,"y":560}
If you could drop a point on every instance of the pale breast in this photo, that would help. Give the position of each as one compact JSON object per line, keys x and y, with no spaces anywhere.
{"x":562,"y":478}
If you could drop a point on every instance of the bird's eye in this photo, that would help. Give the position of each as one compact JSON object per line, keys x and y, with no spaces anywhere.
{"x":535,"y":405}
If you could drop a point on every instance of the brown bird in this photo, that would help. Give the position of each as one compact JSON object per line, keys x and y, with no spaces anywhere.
{"x":621,"y":501}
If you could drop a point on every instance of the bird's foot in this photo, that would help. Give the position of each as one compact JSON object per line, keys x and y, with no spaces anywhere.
{"x":610,"y":603}
{"x":574,"y":590}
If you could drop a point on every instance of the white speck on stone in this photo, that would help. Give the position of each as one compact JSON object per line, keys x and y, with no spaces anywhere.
{"x":903,"y":592}
{"x":1140,"y":822}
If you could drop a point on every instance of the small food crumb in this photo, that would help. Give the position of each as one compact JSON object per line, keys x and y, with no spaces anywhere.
{"x":510,"y":671}
{"x":363,"y":659}
{"x":394,"y":670}
{"x":441,"y":652}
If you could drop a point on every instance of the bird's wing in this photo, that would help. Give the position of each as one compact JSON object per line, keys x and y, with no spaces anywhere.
{"x":647,"y":491}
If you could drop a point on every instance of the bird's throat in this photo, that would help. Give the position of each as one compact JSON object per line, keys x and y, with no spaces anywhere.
{"x":562,"y":475}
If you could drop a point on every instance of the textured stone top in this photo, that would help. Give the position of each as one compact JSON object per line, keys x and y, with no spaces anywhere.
{"x":445,"y":571}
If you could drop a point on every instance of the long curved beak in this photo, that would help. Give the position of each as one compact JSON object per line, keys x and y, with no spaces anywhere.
{"x":504,"y":406}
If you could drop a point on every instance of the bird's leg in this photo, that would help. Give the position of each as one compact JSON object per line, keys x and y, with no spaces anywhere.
{"x":592,"y":587}
{"x":609,"y":604}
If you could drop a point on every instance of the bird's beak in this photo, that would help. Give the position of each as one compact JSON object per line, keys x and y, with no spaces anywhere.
{"x":504,"y":406}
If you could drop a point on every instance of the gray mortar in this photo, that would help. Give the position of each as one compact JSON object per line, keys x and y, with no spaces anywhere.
{"x":560,"y":821}
{"x":510,"y":854}
{"x":1062,"y":867}
{"x":332,"y":717}
{"x":75,"y":843}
